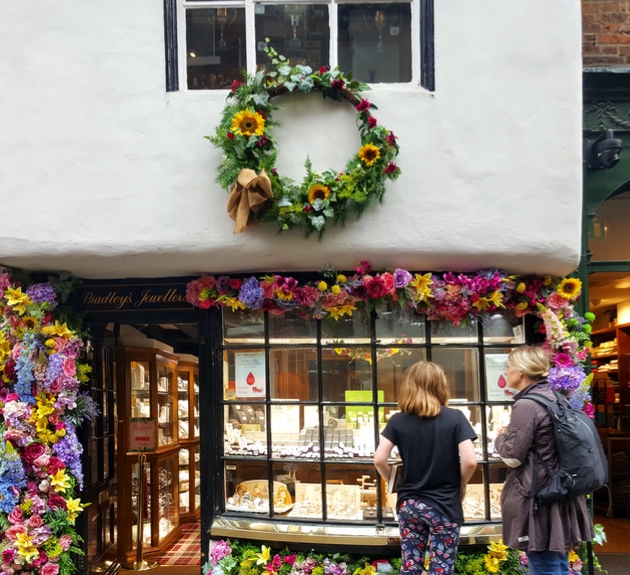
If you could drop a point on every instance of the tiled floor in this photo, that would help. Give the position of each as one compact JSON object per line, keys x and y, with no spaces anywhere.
{"x":187,"y":549}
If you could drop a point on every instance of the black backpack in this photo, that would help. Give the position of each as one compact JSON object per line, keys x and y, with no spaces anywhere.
{"x":582,"y":463}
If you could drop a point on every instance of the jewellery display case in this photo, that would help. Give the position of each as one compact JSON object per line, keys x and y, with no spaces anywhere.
{"x":188,"y":431}
{"x":304,"y":402}
{"x":147,"y":387}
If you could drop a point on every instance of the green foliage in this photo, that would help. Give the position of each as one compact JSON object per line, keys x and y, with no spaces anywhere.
{"x":322,"y":198}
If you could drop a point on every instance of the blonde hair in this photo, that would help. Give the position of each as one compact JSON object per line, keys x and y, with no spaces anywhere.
{"x":424,"y":390}
{"x":531,"y":360}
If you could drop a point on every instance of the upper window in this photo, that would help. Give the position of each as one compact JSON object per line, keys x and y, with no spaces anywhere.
{"x":379,"y":42}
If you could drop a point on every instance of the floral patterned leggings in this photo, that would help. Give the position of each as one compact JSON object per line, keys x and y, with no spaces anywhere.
{"x":419,"y":523}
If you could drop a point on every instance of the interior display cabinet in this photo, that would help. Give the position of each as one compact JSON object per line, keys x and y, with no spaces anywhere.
{"x":189,"y":472}
{"x":147,"y":384}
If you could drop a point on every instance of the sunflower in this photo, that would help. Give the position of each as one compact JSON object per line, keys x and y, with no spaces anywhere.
{"x":247,"y":123}
{"x":369,"y":153}
{"x":318,"y":192}
{"x":569,"y":288}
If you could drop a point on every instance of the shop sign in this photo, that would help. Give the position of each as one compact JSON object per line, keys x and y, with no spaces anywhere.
{"x":142,"y":434}
{"x":496,"y":364}
{"x":250,"y":374}
{"x":131,"y":297}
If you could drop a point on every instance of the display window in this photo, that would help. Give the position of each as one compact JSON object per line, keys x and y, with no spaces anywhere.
{"x":304,"y":402}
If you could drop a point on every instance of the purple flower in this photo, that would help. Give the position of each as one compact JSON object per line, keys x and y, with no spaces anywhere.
{"x":223,"y":284}
{"x":42,"y":293}
{"x":251,"y":295}
{"x":220,"y":550}
{"x":566,"y":377}
{"x":402,"y":278}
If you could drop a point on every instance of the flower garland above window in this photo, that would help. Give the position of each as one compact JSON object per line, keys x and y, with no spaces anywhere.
{"x":458,"y":298}
{"x":259,"y":193}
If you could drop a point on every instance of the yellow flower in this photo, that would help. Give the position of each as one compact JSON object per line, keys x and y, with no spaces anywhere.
{"x":427,"y":562}
{"x":61,"y":432}
{"x":263,"y":558}
{"x":338,"y":311}
{"x":520,"y":288}
{"x":60,"y":481}
{"x":318,"y":192}
{"x":52,"y":438}
{"x":347,"y":309}
{"x":367,"y":570}
{"x":59,"y":329}
{"x":234,"y":303}
{"x":547,"y":281}
{"x":570,"y":288}
{"x":498,"y":550}
{"x":322,"y":286}
{"x":341,"y":279}
{"x":492,"y":563}
{"x":335,"y":290}
{"x":25,"y":546}
{"x":16,"y":299}
{"x":573,"y":556}
{"x":247,"y":123}
{"x":422,"y":284}
{"x":521,"y":305}
{"x":482,"y":304}
{"x":74,"y":508}
{"x":369,"y":153}
{"x":496,"y":297}
{"x":5,"y":349}
{"x":50,"y":342}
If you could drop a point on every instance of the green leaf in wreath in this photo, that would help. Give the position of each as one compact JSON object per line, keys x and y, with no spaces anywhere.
{"x":284,"y":70}
{"x":318,"y":222}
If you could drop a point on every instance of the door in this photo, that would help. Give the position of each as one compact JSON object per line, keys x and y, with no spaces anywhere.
{"x":100,"y":473}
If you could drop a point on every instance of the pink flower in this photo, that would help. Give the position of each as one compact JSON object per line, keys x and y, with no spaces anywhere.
{"x":563,"y":360}
{"x":15,"y":516}
{"x":11,"y":532}
{"x":556,"y":302}
{"x":49,"y":569}
{"x":65,"y":541}
{"x":69,"y":367}
{"x":372,"y":122}
{"x":581,"y":355}
{"x":289,"y":559}
{"x":35,"y":521}
{"x":376,"y":288}
{"x":388,"y":282}
{"x":7,"y":556}
{"x":235,"y":85}
{"x":589,"y":409}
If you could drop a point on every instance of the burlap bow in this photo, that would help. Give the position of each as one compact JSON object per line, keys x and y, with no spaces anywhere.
{"x":248,"y":193}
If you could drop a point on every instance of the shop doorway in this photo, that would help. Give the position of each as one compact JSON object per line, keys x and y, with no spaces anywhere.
{"x":146,"y":382}
{"x":609,"y":300}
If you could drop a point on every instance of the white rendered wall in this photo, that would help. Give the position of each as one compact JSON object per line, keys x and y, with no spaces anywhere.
{"x":105,"y":174}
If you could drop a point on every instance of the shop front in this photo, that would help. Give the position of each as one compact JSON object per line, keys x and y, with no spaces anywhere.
{"x":262,"y":423}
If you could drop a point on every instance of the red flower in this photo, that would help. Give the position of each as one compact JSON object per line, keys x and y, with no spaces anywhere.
{"x":337,"y":84}
{"x":54,"y":465}
{"x":32,"y":451}
{"x":236,"y":85}
{"x":56,"y":501}
{"x":391,"y":139}
{"x":363,"y":105}
{"x":206,"y":303}
{"x":230,"y":136}
{"x":274,"y":171}
{"x":375,"y":288}
{"x":371,"y":122}
{"x":235,"y":284}
{"x":264,"y":140}
{"x":323,"y":70}
{"x":391,"y":168}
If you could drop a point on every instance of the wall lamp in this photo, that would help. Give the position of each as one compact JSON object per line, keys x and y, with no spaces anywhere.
{"x":602,"y":152}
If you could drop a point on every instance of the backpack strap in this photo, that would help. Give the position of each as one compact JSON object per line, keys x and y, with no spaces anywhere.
{"x":545,"y":402}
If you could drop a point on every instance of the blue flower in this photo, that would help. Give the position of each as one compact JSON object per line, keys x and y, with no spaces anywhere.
{"x":251,"y":295}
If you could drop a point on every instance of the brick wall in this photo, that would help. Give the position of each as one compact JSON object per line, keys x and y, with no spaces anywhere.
{"x":606,"y":32}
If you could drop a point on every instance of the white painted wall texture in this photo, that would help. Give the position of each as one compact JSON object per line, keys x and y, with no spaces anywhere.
{"x":105,"y":174}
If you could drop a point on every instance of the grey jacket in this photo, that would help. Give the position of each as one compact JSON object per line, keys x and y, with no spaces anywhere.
{"x":560,"y":526}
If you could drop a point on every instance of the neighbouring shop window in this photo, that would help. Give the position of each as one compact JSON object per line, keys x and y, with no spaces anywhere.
{"x":380,"y":42}
{"x":303,"y":403}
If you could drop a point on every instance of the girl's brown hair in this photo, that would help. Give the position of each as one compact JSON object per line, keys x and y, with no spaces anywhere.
{"x":424,"y":389}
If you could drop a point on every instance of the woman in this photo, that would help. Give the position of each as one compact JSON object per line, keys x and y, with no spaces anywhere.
{"x":546,"y":533}
{"x":435,"y":445}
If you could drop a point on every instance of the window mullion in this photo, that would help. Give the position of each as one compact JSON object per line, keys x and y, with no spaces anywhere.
{"x":415,"y":41}
{"x":334,"y":34}
{"x":250,"y":35}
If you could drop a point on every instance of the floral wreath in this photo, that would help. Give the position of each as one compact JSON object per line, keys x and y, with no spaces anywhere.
{"x":458,"y":298}
{"x":258,"y":192}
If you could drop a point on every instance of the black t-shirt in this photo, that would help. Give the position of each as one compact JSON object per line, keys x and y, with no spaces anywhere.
{"x":428,"y":447}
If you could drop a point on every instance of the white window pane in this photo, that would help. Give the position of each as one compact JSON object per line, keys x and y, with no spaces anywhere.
{"x":375,"y":41}
{"x":215,"y":47}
